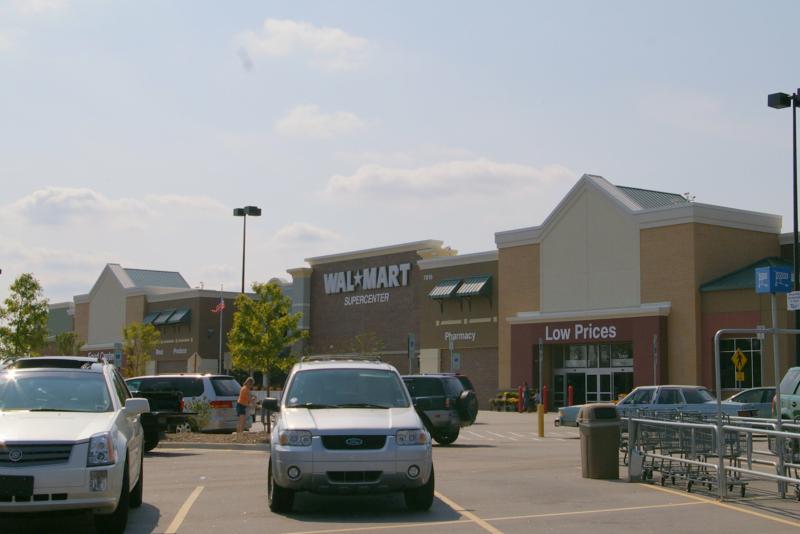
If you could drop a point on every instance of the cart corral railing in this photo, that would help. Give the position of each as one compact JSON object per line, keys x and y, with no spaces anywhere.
{"x":717,"y":452}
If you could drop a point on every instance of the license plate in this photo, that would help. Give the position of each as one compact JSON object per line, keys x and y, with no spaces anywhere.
{"x":16,"y":486}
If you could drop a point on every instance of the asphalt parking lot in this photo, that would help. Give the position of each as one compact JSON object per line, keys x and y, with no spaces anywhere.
{"x":498,"y":477}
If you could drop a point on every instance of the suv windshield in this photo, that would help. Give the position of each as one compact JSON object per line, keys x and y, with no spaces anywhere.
{"x":789,"y":382}
{"x":337,"y":388}
{"x":188,"y":386}
{"x":54,"y":392}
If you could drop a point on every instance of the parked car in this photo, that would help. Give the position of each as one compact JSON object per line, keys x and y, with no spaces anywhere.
{"x":347,"y":426}
{"x":443,"y":404}
{"x":759,"y":399}
{"x":790,"y":394}
{"x":72,"y":440}
{"x":221,"y":392}
{"x":668,"y":398}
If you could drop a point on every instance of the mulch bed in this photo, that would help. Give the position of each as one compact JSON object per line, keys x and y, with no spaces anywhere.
{"x":202,"y":437}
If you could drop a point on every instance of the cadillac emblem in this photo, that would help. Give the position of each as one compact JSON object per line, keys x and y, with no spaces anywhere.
{"x":354,"y":442}
{"x":15,"y":455}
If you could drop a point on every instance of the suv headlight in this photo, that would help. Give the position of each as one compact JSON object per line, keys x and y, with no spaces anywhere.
{"x":101,"y":450}
{"x":295,"y":438}
{"x":411,"y":437}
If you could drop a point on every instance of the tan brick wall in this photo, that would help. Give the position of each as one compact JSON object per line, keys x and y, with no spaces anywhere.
{"x":82,"y":321}
{"x":134,"y":309}
{"x":723,"y":250}
{"x":675,"y":261}
{"x":668,"y":275}
{"x":518,"y":279}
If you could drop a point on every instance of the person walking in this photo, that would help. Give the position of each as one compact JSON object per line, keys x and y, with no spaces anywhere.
{"x":244,"y":400}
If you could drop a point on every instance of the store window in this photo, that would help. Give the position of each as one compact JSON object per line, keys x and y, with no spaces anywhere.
{"x":621,"y":355}
{"x":576,"y":356}
{"x":751,"y":348}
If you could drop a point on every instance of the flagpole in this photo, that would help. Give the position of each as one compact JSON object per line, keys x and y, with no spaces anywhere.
{"x":221,"y":300}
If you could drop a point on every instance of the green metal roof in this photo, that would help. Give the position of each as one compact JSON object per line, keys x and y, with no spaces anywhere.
{"x":150,"y":317}
{"x":147,"y":278}
{"x":648,"y":199}
{"x":474,"y":286}
{"x":744,"y":278}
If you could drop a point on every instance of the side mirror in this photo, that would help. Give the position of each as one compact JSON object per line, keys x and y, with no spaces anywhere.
{"x":137,"y":406}
{"x":271,"y":404}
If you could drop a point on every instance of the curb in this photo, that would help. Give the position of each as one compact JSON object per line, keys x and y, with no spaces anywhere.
{"x":213,"y":446}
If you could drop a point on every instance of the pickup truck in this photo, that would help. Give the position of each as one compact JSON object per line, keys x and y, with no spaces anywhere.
{"x":166,"y":414}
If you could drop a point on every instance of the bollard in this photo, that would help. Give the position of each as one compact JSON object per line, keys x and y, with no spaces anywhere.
{"x":540,"y":416}
{"x":545,"y":399}
{"x":570,"y":395}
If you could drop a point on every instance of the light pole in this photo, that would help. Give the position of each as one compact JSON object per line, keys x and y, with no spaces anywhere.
{"x":780,"y":101}
{"x":252,"y":211}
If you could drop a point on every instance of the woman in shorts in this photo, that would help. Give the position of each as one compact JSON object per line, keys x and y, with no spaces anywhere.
{"x":242,"y":403}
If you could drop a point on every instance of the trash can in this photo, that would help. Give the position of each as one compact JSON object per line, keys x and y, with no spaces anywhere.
{"x":599,"y":429}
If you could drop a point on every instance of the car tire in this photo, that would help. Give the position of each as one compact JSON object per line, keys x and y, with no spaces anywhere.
{"x":467,"y":406}
{"x":445,"y":437}
{"x":151,"y":440}
{"x":115,"y":522}
{"x":138,"y":489}
{"x":420,"y":499}
{"x":279,"y":499}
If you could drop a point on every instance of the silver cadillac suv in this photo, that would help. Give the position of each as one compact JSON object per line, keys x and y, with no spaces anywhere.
{"x":347,"y":426}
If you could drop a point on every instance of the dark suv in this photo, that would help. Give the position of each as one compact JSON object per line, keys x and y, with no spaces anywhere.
{"x":443,"y":403}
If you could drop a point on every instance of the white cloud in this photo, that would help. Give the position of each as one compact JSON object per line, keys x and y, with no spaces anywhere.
{"x":309,"y":121}
{"x":66,"y":205}
{"x":8,"y":41}
{"x":330,"y":49}
{"x":303,"y":233}
{"x":40,"y":7}
{"x":452,"y":178}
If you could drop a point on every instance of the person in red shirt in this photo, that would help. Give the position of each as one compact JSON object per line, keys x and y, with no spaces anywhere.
{"x":242,"y":403}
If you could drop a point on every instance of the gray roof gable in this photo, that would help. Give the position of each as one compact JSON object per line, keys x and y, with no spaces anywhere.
{"x":648,"y":199}
{"x":148,"y":278}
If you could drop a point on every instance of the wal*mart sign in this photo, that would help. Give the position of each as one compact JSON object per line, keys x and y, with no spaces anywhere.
{"x":383,"y":277}
{"x":773,"y":280}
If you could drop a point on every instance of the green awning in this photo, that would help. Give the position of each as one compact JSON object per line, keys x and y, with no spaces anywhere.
{"x":743,"y":278}
{"x":475,"y":286}
{"x":150,"y":317}
{"x":180,"y":316}
{"x":444,"y":289}
{"x":162,"y":318}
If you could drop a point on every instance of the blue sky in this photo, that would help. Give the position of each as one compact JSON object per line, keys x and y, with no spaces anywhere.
{"x":130,"y":130}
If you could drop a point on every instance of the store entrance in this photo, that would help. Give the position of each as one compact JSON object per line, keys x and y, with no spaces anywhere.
{"x":597,"y":372}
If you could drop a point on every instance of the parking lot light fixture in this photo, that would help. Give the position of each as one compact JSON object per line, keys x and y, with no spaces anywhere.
{"x":780,"y":101}
{"x":252,"y":211}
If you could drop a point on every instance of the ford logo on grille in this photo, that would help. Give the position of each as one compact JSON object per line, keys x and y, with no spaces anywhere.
{"x":354,"y":442}
{"x":15,"y":455}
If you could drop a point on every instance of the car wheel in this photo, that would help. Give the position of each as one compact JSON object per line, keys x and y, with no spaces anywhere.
{"x":280,"y":499}
{"x":115,"y":522}
{"x":138,"y":489}
{"x":151,"y":440}
{"x":420,"y":499}
{"x":467,"y":406}
{"x":446,"y":437}
{"x":183,"y":427}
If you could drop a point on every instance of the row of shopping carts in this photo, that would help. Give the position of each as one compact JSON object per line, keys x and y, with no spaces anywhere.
{"x":683,"y":446}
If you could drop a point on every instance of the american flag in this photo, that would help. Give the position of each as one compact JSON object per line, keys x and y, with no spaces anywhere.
{"x":219,"y":307}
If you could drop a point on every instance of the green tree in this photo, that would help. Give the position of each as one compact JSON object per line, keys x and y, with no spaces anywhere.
{"x":139,"y":341}
{"x":68,"y":344}
{"x":23,"y":318}
{"x":264,"y":329}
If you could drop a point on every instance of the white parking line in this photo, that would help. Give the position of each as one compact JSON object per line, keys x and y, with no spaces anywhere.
{"x":499,"y":435}
{"x":518,"y":435}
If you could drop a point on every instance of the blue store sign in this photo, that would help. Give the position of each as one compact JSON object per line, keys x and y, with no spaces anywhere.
{"x":773,"y":280}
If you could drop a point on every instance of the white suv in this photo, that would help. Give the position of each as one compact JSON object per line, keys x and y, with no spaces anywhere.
{"x":347,"y":427}
{"x":70,"y":438}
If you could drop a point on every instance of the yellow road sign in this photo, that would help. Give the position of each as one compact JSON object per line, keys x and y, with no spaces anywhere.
{"x":739,"y":359}
{"x":740,"y":376}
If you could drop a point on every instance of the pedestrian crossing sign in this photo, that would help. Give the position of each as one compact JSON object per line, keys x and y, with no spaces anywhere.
{"x":740,"y":376}
{"x":739,"y":359}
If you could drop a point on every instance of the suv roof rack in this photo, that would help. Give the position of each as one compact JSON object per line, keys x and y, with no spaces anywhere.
{"x":341,"y":357}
